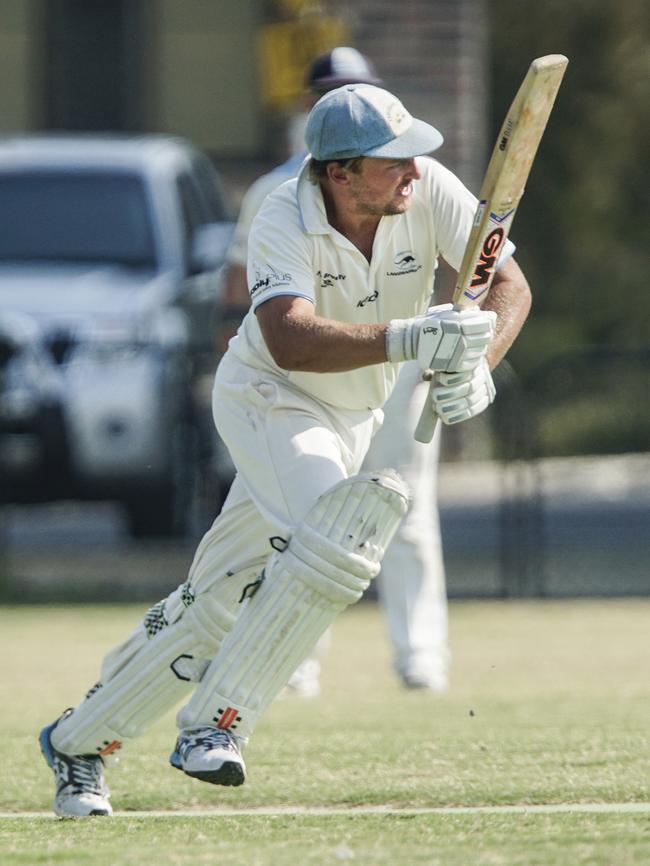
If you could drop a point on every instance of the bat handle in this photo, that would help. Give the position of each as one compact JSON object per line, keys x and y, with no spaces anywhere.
{"x":428,"y":422}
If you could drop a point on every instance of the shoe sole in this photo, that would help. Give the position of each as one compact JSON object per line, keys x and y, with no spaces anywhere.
{"x":95,"y":813}
{"x":230,"y":773}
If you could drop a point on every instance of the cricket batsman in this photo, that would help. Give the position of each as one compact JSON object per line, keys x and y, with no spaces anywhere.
{"x":411,"y":586}
{"x":341,"y":262}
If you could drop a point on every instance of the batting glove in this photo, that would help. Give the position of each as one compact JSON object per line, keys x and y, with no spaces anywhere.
{"x":446,"y":339}
{"x":458,"y":397}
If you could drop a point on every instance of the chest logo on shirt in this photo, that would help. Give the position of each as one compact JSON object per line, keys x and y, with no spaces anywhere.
{"x":327,"y":279}
{"x":368,"y":299}
{"x":405,"y":263}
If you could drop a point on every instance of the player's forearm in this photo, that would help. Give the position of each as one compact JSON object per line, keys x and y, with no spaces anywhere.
{"x":510,"y":298}
{"x":317,"y":345}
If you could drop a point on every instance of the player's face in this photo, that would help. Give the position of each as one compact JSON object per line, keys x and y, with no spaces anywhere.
{"x":383,"y":187}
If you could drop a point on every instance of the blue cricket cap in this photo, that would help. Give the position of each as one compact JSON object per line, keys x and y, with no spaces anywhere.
{"x":364,"y":120}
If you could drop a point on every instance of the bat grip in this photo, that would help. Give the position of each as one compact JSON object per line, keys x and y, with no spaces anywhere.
{"x":428,"y":422}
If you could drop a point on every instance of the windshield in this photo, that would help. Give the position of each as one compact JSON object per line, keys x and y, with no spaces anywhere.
{"x":75,"y":217}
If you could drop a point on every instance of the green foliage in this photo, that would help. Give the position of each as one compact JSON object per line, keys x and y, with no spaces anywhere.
{"x":591,"y":428}
{"x":581,"y":230}
{"x":591,"y":402}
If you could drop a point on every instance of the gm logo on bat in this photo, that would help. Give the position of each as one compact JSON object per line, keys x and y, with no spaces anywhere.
{"x":487,"y":258}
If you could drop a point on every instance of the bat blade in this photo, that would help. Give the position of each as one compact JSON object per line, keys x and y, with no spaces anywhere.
{"x":506,"y":176}
{"x":502,"y":189}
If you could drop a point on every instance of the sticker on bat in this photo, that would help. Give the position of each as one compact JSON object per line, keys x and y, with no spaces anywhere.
{"x":507,"y":132}
{"x":478,"y":216}
{"x":486,"y":262}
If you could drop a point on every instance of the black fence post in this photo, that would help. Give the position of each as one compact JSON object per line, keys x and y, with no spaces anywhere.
{"x":521,"y":511}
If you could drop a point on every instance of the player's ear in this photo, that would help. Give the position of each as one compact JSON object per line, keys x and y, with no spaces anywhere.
{"x":338,"y":174}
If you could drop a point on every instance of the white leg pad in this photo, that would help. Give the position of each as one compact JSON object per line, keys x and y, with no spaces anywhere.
{"x":155,"y":668}
{"x":328,"y":563}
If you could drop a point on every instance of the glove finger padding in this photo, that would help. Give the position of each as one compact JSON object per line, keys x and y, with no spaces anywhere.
{"x":460,"y":396}
{"x":455,"y":340}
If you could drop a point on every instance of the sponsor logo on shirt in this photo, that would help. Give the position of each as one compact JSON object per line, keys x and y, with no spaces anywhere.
{"x":369,"y":299}
{"x":405,"y":263}
{"x":327,"y":279}
{"x":269,"y":279}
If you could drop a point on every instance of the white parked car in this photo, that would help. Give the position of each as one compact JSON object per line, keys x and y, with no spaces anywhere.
{"x":113,"y":245}
{"x":33,"y":442}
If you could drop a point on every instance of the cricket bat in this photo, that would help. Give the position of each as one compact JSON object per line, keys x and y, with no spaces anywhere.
{"x":501,"y":191}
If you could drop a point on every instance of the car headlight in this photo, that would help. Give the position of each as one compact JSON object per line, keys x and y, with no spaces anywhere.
{"x":18,"y":404}
{"x":106,"y":352}
{"x":105,"y":341}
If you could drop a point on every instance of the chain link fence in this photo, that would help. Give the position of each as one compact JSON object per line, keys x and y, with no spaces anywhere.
{"x":553,"y":500}
{"x":564,"y":506}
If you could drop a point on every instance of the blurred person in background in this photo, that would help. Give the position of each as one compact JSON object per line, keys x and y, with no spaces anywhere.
{"x":411,"y":585}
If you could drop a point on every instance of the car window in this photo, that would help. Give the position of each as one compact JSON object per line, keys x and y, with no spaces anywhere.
{"x":210,"y":189}
{"x":80,"y":216}
{"x":192,"y":209}
{"x":194,"y":213}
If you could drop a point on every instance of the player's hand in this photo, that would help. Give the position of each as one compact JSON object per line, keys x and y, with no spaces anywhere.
{"x":446,"y":339}
{"x":457,"y":397}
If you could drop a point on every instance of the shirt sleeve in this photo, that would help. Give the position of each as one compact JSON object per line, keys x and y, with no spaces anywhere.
{"x":279,"y":251}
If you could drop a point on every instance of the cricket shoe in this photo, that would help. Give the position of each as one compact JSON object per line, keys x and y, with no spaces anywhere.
{"x":80,"y":787}
{"x":209,"y":754}
{"x":421,"y":680}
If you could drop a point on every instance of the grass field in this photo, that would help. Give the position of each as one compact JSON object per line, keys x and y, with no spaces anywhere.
{"x":549,"y":705}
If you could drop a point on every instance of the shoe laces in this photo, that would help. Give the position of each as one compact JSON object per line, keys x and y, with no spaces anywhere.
{"x":79,"y":774}
{"x":206,"y":739}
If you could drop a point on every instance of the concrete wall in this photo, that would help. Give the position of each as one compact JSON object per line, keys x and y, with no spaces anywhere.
{"x":433,"y":55}
{"x":17,"y":59}
{"x":202,"y":78}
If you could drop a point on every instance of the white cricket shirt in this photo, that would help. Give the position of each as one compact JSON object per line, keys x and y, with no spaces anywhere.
{"x":293,"y":250}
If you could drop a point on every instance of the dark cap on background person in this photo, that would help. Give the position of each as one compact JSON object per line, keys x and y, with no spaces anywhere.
{"x":342,"y":65}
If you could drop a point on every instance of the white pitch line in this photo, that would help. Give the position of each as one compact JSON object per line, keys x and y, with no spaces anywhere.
{"x":537,"y":809}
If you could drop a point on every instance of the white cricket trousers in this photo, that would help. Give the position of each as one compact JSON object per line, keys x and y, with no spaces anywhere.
{"x":288,"y":449}
{"x":411,"y":585}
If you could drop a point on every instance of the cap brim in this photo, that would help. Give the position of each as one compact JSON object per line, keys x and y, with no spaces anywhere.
{"x":420,"y":138}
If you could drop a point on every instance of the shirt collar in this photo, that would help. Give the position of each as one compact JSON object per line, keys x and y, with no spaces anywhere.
{"x":311,"y":204}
